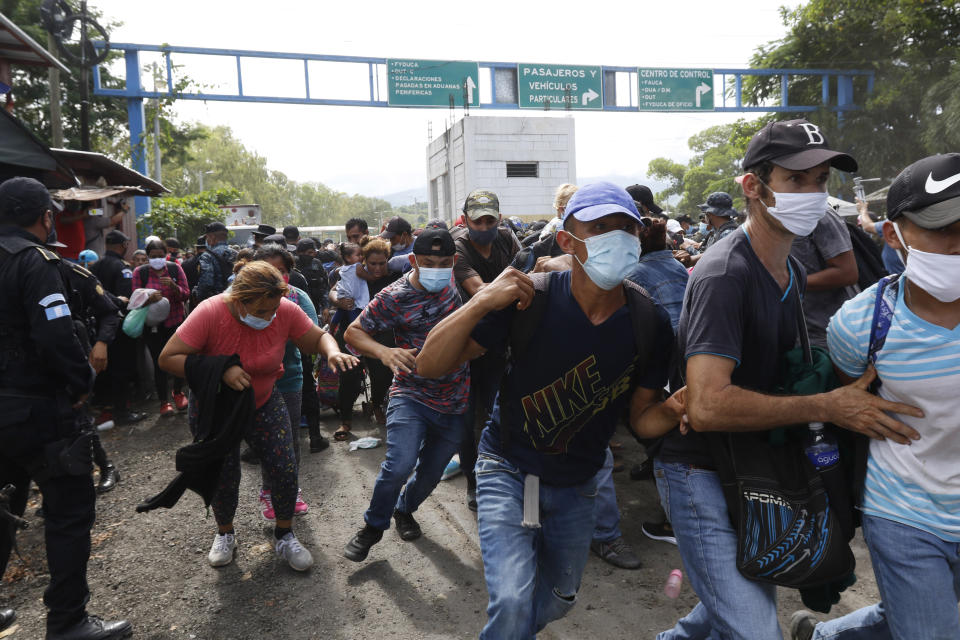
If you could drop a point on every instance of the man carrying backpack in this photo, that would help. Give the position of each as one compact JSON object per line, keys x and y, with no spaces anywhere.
{"x":908,"y":329}
{"x":575,"y":364}
{"x":216,"y":263}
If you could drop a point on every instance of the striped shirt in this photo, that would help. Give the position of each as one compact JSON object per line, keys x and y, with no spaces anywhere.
{"x":919,"y":364}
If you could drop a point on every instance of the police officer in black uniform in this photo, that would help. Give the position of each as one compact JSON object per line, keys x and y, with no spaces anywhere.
{"x":116,"y":276}
{"x":317,"y":288}
{"x":96,"y":319}
{"x":44,"y":375}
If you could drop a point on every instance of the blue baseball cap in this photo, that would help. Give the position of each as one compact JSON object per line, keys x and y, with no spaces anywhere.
{"x":600,"y":199}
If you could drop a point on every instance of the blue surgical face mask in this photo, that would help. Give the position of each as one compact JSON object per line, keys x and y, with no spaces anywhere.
{"x":610,"y":257}
{"x":703,"y":227}
{"x":256,"y":323}
{"x":433,"y":279}
{"x":483,"y":237}
{"x":207,"y":244}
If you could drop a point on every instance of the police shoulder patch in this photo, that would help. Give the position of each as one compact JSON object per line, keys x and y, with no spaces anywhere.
{"x":48,"y":255}
{"x":82,"y":271}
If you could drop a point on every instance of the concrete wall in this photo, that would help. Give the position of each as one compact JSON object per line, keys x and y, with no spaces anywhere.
{"x":474,"y":152}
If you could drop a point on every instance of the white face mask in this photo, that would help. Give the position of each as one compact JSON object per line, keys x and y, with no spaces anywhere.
{"x":799,"y":213}
{"x":935,"y":273}
{"x":157,"y":263}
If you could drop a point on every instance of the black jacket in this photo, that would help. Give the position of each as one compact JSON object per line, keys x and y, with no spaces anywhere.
{"x":115,"y":274}
{"x":225,"y":416}
{"x":39,"y":349}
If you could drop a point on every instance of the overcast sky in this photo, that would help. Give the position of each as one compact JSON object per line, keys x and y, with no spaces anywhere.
{"x":375,"y":151}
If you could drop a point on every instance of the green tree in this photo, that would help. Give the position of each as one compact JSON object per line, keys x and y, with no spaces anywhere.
{"x":718,"y":152}
{"x":186,"y":216}
{"x":32,"y":90}
{"x":911,"y":45}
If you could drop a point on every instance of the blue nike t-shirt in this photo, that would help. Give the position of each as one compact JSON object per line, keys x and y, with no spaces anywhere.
{"x":563,"y":398}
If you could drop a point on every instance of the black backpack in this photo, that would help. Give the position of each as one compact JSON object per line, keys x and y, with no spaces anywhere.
{"x":644,"y":316}
{"x":868,"y":257}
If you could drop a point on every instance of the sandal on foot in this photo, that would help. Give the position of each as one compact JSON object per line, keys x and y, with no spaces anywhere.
{"x":341,"y":433}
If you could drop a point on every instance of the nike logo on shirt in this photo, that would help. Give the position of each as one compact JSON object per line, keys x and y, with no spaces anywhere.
{"x":936,"y":186}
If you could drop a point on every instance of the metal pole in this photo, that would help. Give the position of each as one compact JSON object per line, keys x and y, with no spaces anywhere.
{"x":135,"y":120}
{"x":56,"y":120}
{"x":84,"y":82}
{"x":156,"y":129}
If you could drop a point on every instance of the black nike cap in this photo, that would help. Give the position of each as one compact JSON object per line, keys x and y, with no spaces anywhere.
{"x":927,"y":192}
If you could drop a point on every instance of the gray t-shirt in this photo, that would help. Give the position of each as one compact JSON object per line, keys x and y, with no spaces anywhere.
{"x":94,"y":229}
{"x":828,"y":240}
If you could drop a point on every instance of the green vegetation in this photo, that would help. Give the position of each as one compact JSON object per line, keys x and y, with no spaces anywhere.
{"x":913,"y":46}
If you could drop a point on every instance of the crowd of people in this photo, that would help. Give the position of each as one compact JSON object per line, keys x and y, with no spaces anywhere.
{"x":515,"y":351}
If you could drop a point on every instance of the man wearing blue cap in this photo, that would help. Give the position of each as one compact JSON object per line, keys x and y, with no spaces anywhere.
{"x":567,"y":384}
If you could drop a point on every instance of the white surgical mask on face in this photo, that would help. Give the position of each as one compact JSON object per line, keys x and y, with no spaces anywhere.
{"x":799,"y":213}
{"x":935,"y":273}
{"x":157,"y":263}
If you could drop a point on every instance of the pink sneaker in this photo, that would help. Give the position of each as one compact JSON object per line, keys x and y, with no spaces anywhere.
{"x":301,"y":507}
{"x":266,"y":506}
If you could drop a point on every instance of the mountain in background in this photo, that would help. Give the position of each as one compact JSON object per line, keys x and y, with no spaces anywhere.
{"x":407,"y":197}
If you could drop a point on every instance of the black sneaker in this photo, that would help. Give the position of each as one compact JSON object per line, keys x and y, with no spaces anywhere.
{"x":407,"y":527}
{"x":662,"y":531}
{"x":802,"y":625}
{"x":642,"y":471}
{"x":129,"y":417}
{"x":359,"y":546}
{"x":318,"y":444}
{"x":472,"y":500}
{"x":618,"y":553}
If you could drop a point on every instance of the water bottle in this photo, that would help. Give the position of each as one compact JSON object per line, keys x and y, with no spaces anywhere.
{"x":674,"y":580}
{"x":821,"y":447}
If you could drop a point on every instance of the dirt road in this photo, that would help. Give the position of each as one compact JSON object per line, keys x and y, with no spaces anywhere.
{"x":151,"y":568}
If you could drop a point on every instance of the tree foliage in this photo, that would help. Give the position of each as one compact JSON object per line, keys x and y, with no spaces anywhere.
{"x":186,"y":216}
{"x":912,"y":46}
{"x":218,"y":159}
{"x":713,"y":167}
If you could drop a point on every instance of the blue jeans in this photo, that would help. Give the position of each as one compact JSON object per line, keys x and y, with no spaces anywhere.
{"x":918,"y":575}
{"x":608,"y":514}
{"x":731,"y":607}
{"x":532,"y":575}
{"x":419,"y":440}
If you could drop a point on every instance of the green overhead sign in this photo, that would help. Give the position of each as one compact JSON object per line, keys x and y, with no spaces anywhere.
{"x":561,"y":86}
{"x":430,"y":83}
{"x":675,"y":89}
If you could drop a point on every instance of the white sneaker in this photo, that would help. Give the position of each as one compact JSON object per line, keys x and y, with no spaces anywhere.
{"x":290,"y":549}
{"x":223,"y":550}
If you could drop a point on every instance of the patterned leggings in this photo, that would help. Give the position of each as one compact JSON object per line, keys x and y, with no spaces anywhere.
{"x":271,"y":439}
{"x":292,"y":400}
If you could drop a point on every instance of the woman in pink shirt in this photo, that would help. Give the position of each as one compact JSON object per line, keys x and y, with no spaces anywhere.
{"x":253,"y":320}
{"x":170,"y":282}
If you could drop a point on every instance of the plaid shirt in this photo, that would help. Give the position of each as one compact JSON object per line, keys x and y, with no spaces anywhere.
{"x":177,"y":294}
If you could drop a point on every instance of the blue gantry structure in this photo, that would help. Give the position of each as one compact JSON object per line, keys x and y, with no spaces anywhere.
{"x":495,"y":87}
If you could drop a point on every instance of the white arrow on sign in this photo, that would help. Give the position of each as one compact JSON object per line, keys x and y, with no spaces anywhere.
{"x":588,"y":96}
{"x":471,"y":85}
{"x":702,"y":89}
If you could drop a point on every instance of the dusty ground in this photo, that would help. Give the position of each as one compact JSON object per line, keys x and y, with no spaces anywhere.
{"x":151,"y":568}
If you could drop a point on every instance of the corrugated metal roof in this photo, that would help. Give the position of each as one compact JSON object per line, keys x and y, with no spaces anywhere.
{"x":17,"y":47}
{"x":87,"y":164}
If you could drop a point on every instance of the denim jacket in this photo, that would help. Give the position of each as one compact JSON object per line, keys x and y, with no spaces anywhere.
{"x":665,"y":280}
